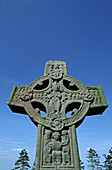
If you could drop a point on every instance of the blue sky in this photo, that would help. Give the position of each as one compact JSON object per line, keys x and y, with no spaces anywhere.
{"x":35,"y":31}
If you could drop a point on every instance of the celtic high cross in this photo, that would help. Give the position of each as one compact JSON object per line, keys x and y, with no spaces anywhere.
{"x":56,"y":94}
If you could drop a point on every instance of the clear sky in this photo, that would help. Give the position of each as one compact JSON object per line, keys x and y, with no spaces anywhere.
{"x":35,"y":31}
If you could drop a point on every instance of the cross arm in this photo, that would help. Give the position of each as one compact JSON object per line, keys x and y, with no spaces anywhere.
{"x":99,"y":103}
{"x":15,"y":103}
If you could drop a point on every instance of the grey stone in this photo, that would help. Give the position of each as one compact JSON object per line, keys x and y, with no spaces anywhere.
{"x":56,"y":94}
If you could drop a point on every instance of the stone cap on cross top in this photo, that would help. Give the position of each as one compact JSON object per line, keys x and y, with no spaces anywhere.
{"x":56,"y":93}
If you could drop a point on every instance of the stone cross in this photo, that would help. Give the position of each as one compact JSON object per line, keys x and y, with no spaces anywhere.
{"x":56,"y":94}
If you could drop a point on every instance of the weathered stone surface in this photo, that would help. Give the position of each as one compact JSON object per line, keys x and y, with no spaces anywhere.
{"x":56,"y":94}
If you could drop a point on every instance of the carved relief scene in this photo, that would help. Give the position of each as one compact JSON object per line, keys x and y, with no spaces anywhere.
{"x":56,"y":150}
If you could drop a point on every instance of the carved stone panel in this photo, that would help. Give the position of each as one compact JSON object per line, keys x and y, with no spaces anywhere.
{"x":57,"y":149}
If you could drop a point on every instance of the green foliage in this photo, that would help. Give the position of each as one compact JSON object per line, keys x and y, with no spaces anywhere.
{"x":22,"y":162}
{"x":108,"y":160}
{"x":93,"y":159}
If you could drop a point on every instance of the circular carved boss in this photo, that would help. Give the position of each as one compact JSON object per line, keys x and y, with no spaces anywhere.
{"x":69,"y":85}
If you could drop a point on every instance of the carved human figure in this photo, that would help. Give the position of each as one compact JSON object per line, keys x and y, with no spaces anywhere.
{"x":47,"y":147}
{"x":56,"y":149}
{"x":55,"y":102}
{"x":65,"y":148}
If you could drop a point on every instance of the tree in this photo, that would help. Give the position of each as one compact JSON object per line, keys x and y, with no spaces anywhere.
{"x":93,"y":159}
{"x":108,"y":160}
{"x":81,"y":164}
{"x":22,"y":162}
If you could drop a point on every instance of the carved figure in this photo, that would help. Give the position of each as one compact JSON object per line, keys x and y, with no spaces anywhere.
{"x":56,"y":149}
{"x":65,"y":148}
{"x":47,"y":147}
{"x":55,"y":102}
